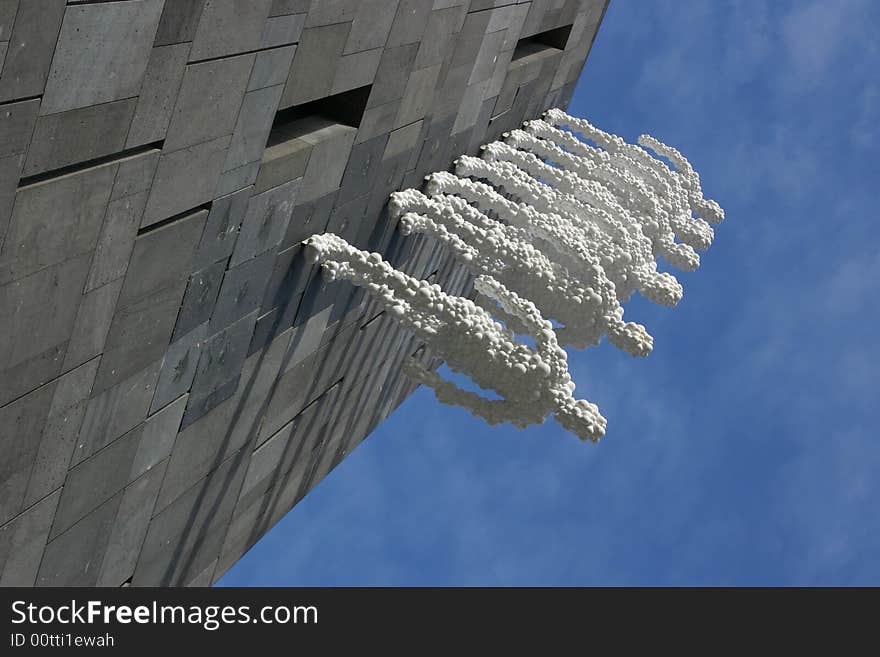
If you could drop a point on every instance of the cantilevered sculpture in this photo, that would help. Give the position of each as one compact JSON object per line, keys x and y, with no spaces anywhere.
{"x":552,"y":228}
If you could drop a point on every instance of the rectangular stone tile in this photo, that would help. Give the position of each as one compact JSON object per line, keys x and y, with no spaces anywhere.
{"x":185,"y":179}
{"x":402,"y":140}
{"x":150,"y":299}
{"x":392,"y":74}
{"x":116,"y":241}
{"x":377,"y":121}
{"x":363,"y":167}
{"x":95,"y":480}
{"x":228,"y":27}
{"x":130,"y":528}
{"x":60,"y":432}
{"x":284,"y":160}
{"x":253,"y":126}
{"x":158,"y":93}
{"x":308,"y":219}
{"x":114,"y":412}
{"x":21,"y":427}
{"x":356,"y":70}
{"x":282,"y":30}
{"x":92,"y":323}
{"x":306,"y":338}
{"x":286,"y":285}
{"x":179,"y":367}
{"x":371,"y":25}
{"x":266,"y":221}
{"x":135,"y":173}
{"x":179,"y":21}
{"x":158,"y":435}
{"x":22,"y":541}
{"x":220,"y":364}
{"x":409,"y":23}
{"x":10,"y":172}
{"x":187,"y":535}
{"x":331,"y":147}
{"x":281,"y":7}
{"x":315,"y":63}
{"x":230,"y":424}
{"x":72,"y":558}
{"x":441,"y":26}
{"x":79,"y":135}
{"x":55,"y":220}
{"x":101,"y":54}
{"x":221,"y":229}
{"x":242,"y":291}
{"x":418,"y":96}
{"x":199,"y":299}
{"x":271,"y":67}
{"x":237,"y":179}
{"x":39,"y":313}
{"x":332,"y":11}
{"x":347,"y":219}
{"x":31,"y":44}
{"x":8,"y":9}
{"x":209,"y":101}
{"x":16,"y":125}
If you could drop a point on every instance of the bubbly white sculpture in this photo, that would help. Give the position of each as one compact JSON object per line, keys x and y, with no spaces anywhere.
{"x":584,"y":300}
{"x":532,"y":383}
{"x":640,"y":200}
{"x":644,"y":163}
{"x":597,"y":198}
{"x":552,"y":228}
{"x":571,"y":228}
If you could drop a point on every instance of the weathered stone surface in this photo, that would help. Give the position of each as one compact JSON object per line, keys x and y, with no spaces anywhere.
{"x":38,"y":313}
{"x":31,"y":44}
{"x":101,"y":54}
{"x":158,"y":92}
{"x":55,"y":220}
{"x":185,"y":179}
{"x":209,"y":101}
{"x":228,"y":27}
{"x":150,"y":299}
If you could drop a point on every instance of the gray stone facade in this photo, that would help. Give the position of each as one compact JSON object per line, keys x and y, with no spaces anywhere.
{"x":173,"y":376}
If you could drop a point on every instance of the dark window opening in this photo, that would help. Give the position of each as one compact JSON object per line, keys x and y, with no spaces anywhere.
{"x":547,"y":42}
{"x":346,"y":108}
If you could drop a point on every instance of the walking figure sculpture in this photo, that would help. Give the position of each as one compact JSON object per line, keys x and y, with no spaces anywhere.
{"x":532,"y":382}
{"x":583,"y":300}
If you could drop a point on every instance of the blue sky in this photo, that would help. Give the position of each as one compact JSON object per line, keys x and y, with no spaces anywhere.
{"x":744,"y":449}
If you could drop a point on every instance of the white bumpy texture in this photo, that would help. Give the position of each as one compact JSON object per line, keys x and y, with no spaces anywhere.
{"x":552,"y":228}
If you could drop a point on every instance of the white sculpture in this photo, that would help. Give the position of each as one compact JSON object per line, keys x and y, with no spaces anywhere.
{"x":583,"y":300}
{"x":532,"y":383}
{"x":637,"y":198}
{"x":598,"y":199}
{"x":560,"y":230}
{"x":572,"y":229}
{"x":703,"y":207}
{"x":640,"y":162}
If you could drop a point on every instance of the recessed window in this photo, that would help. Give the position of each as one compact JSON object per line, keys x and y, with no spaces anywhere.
{"x":543,"y":44}
{"x":298,"y":129}
{"x":346,"y":109}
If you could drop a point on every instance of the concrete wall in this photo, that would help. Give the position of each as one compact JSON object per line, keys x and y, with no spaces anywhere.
{"x":173,"y":376}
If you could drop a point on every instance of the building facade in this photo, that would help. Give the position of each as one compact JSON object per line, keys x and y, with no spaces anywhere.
{"x":174,"y":376}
